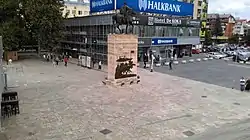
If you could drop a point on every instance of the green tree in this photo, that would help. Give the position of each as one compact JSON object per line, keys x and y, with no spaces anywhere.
{"x":31,"y":21}
{"x":217,"y":30}
{"x":234,"y":39}
{"x":11,"y":21}
{"x":208,"y":38}
{"x":44,"y":18}
{"x":246,"y":39}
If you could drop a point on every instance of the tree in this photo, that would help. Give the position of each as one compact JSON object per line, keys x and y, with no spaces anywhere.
{"x":44,"y":18}
{"x":217,"y":30}
{"x":11,"y":24}
{"x":246,"y":39}
{"x":234,"y":39}
{"x":26,"y":21}
{"x":208,"y":38}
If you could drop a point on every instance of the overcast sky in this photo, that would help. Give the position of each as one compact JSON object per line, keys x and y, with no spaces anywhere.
{"x":238,"y":8}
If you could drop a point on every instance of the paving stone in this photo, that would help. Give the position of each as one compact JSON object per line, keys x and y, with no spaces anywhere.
{"x":72,"y":102}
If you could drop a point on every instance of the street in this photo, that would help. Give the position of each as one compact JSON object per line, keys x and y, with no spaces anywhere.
{"x":71,"y":103}
{"x":217,"y":72}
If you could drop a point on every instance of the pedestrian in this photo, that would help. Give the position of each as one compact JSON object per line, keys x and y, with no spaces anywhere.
{"x":66,"y":61}
{"x":100,"y":65}
{"x":152,"y":63}
{"x":170,"y":63}
{"x":242,"y":83}
{"x":145,"y":60}
{"x":57,"y":60}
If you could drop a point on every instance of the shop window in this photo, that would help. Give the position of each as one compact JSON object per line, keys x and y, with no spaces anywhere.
{"x":190,"y":32}
{"x":181,"y":32}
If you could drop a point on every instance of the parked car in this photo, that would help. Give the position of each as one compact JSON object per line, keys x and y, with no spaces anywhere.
{"x":230,"y":53}
{"x":243,"y":56}
{"x":216,"y":55}
{"x":196,"y":51}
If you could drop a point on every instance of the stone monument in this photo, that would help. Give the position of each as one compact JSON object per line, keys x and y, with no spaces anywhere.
{"x":122,"y":59}
{"x":122,"y":50}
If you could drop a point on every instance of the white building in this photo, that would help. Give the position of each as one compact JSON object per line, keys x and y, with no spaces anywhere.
{"x":76,"y":9}
{"x":239,"y":27}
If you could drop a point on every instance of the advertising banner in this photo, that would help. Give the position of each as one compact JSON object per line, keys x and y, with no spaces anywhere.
{"x":169,"y":7}
{"x":101,"y":5}
{"x":88,"y":62}
{"x":164,"y":41}
{"x":84,"y":61}
{"x":148,"y":6}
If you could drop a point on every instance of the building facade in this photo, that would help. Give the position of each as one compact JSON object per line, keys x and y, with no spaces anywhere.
{"x":75,"y":9}
{"x":239,"y":27}
{"x":227,"y":23}
{"x":200,"y":8}
{"x":88,"y":35}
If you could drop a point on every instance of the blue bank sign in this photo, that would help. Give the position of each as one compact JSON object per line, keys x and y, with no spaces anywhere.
{"x":164,"y":41}
{"x":101,"y":5}
{"x":169,"y":7}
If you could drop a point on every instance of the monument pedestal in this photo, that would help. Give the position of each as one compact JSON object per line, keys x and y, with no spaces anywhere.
{"x":122,"y":59}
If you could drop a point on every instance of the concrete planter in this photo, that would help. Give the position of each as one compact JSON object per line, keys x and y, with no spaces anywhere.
{"x":158,"y":65}
{"x":176,"y":62}
{"x":191,"y":60}
{"x":184,"y":61}
{"x":205,"y":59}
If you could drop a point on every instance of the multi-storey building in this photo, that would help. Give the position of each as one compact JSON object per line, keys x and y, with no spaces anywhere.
{"x":76,"y":9}
{"x":200,"y":8}
{"x":227,"y":23}
{"x":239,"y":27}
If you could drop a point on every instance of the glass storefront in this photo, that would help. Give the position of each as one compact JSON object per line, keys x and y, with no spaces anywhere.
{"x":91,"y":40}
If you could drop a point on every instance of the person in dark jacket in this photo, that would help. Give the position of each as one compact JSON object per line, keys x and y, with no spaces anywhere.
{"x":170,"y":64}
{"x":145,"y":60}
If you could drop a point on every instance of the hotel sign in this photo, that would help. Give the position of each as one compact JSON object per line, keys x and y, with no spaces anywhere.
{"x":163,"y":21}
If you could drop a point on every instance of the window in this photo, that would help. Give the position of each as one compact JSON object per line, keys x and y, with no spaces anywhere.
{"x":73,"y":12}
{"x":67,"y":11}
{"x":86,"y":12}
{"x":199,"y":11}
{"x":181,"y":32}
{"x":79,"y":12}
{"x":199,"y":3}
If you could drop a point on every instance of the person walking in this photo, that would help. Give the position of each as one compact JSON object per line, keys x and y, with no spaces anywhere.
{"x":57,"y":60}
{"x":145,"y":60}
{"x":152,"y":63}
{"x":100,"y":65}
{"x":242,"y":83}
{"x":170,"y":63}
{"x":65,"y":61}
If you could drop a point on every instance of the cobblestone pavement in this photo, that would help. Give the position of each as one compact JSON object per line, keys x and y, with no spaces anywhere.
{"x":59,"y":103}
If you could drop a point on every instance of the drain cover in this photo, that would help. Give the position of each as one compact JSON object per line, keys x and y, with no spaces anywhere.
{"x":236,"y":103}
{"x":204,"y":96}
{"x":188,"y":133}
{"x":105,"y":131}
{"x":41,"y":73}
